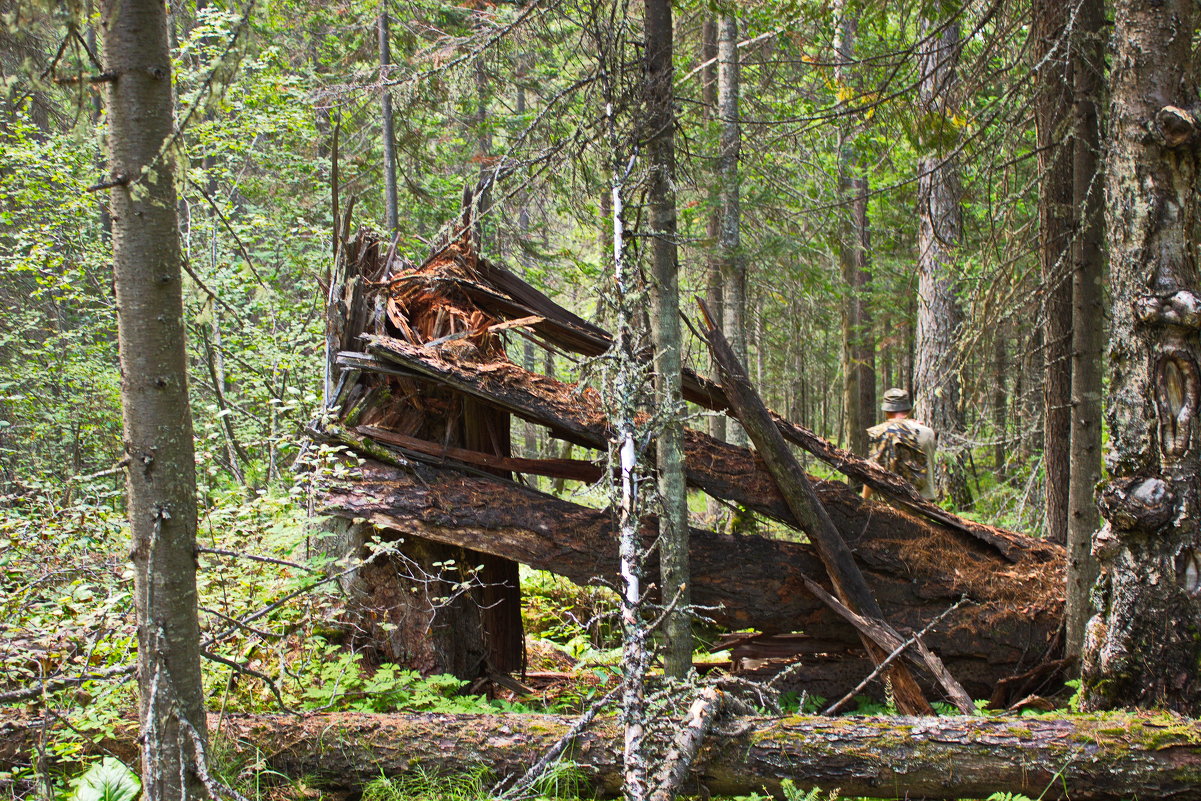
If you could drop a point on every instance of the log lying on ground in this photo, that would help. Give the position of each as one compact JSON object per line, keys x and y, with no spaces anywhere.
{"x":1082,"y":758}
{"x":915,"y":571}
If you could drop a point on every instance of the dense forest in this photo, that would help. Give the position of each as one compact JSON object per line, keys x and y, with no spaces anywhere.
{"x":516,"y":400}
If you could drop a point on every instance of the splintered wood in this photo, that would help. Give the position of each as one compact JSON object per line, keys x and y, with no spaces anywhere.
{"x":421,"y":374}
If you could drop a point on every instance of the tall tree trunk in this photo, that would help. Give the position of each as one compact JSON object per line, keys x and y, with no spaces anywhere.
{"x":161,"y":479}
{"x":1143,"y":647}
{"x":1088,"y":65}
{"x":713,"y":279}
{"x":858,"y":348}
{"x":729,"y":245}
{"x":939,"y":315}
{"x":1053,"y":119}
{"x":389,"y":138}
{"x":665,"y":334}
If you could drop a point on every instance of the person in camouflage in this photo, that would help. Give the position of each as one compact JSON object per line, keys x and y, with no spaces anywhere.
{"x":902,"y":445}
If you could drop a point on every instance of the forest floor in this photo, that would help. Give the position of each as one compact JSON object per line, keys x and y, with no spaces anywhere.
{"x":67,"y":625}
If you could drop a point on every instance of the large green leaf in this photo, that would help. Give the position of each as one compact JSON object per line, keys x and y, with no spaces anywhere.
{"x":109,"y":780}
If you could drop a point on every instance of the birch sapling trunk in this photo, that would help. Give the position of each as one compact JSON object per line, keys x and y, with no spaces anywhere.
{"x":1088,"y":256}
{"x":161,"y":478}
{"x":665,"y":334}
{"x":635,"y":657}
{"x":1143,"y":648}
{"x":1053,"y":121}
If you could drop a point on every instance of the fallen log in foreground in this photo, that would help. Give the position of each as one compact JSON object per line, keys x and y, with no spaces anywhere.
{"x":755,"y":581}
{"x":1081,"y":758}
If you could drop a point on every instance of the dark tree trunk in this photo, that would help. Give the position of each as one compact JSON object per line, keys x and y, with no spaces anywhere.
{"x":389,"y":138}
{"x":939,"y":315}
{"x":1144,"y":646}
{"x":161,"y":477}
{"x":1088,"y":67}
{"x":858,"y":347}
{"x":665,"y":332}
{"x":1053,"y":120}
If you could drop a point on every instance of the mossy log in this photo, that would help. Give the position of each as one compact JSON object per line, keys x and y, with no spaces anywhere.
{"x":1082,"y":758}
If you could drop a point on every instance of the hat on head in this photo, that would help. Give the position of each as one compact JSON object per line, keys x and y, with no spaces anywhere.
{"x":896,"y":400}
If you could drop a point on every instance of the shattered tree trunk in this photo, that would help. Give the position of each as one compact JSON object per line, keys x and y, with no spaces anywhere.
{"x":1086,"y":759}
{"x":917,"y":566}
{"x":914,"y":569}
{"x":1144,"y":646}
{"x":408,"y":606}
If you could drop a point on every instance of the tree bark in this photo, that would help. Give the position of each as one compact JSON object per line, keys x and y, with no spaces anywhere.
{"x":939,"y":315}
{"x":1144,"y":646}
{"x":665,"y":333}
{"x":732,"y":265}
{"x":1088,"y":256}
{"x":389,"y":138}
{"x":161,"y":478}
{"x":1053,"y":121}
{"x":858,"y":348}
{"x":1082,"y":758}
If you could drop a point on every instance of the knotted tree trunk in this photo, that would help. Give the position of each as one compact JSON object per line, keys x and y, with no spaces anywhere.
{"x":1144,"y":646}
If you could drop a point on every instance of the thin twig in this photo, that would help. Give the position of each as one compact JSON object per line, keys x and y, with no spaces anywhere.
{"x":255,"y":558}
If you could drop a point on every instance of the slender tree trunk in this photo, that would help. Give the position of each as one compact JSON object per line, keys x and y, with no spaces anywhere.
{"x":389,"y":138}
{"x":939,"y":315}
{"x":1088,"y":67}
{"x":858,"y":351}
{"x":729,"y":246}
{"x":161,"y":479}
{"x":1143,"y":647}
{"x":665,"y":333}
{"x":714,"y":295}
{"x":1053,"y":119}
{"x":999,"y":399}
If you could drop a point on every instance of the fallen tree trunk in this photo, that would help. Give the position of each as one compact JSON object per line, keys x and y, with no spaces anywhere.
{"x":504,"y":295}
{"x":575,"y":415}
{"x":1082,"y":758}
{"x":752,"y":581}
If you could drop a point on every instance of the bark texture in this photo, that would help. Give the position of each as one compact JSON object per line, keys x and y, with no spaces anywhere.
{"x":1053,"y":121}
{"x":1084,"y":759}
{"x":940,"y":224}
{"x":1144,"y":646}
{"x":161,"y":478}
{"x":665,"y":333}
{"x":1088,"y":333}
